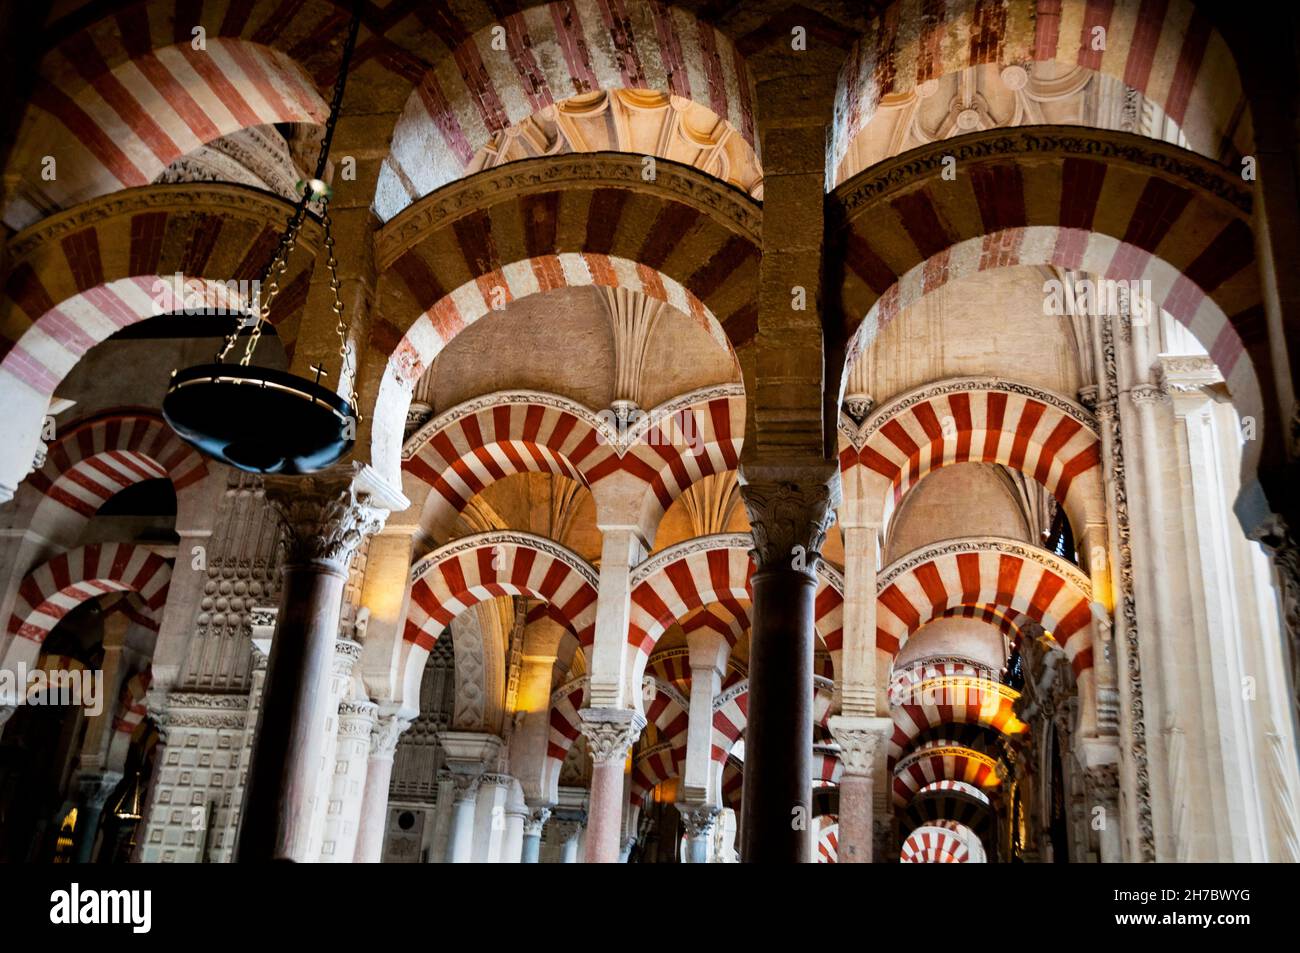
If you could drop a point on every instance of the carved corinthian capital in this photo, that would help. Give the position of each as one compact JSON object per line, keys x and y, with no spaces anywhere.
{"x":861,"y":742}
{"x":385,"y":734}
{"x":698,"y":820}
{"x":324,"y":517}
{"x":610,"y":732}
{"x":535,"y":820}
{"x":789,"y":522}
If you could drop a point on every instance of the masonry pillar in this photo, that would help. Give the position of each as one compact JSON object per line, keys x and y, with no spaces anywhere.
{"x":862,"y":744}
{"x":789,"y":524}
{"x":610,"y":734}
{"x":373,"y":823}
{"x":708,"y":659}
{"x":621,"y":549}
{"x":324,"y":519}
{"x":698,"y":822}
{"x":534,"y":823}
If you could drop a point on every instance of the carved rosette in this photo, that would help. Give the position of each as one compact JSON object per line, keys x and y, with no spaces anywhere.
{"x":610,"y":733}
{"x":323,"y":521}
{"x":698,"y":820}
{"x":383,"y":737}
{"x":789,"y":523}
{"x":535,"y":820}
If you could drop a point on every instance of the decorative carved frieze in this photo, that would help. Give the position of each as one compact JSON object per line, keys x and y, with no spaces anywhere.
{"x":472,"y":194}
{"x":861,"y":192}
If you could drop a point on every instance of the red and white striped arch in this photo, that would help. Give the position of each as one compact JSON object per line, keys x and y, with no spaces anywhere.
{"x":933,"y":845}
{"x":731,"y":713}
{"x":979,"y":571}
{"x":53,"y":589}
{"x":469,"y":570}
{"x":113,"y":125}
{"x":942,"y":761}
{"x":51,"y":665}
{"x":1081,"y":250}
{"x":492,"y":437}
{"x":63,"y":332}
{"x":827,"y":766}
{"x":733,"y":782}
{"x":90,"y":463}
{"x":828,"y":844}
{"x":988,"y":420}
{"x":1168,"y":51}
{"x":930,"y":696}
{"x":475,"y":299}
{"x":564,"y":723}
{"x":684,"y":578}
{"x":132,"y":709}
{"x":551,"y":53}
{"x":653,"y":766}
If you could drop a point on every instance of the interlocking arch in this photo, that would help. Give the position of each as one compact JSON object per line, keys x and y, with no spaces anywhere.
{"x":1170,"y":53}
{"x":529,"y":61}
{"x":459,"y":453}
{"x":934,"y":695}
{"x":591,"y":221}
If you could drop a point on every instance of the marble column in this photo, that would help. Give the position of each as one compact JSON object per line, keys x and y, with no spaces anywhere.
{"x":698,"y":822}
{"x":93,"y":790}
{"x":469,"y":754}
{"x":373,"y":823}
{"x":324,"y":519}
{"x":348,"y":787}
{"x":789,"y":524}
{"x":862,"y":744}
{"x":610,"y":734}
{"x":460,"y":837}
{"x":1103,"y":811}
{"x":534,"y":823}
{"x":708,"y":659}
{"x":567,"y":832}
{"x":490,"y":818}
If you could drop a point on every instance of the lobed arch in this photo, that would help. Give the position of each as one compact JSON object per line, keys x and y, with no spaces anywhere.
{"x":941,"y":761}
{"x":82,"y":275}
{"x":482,"y":566}
{"x":932,"y":844}
{"x":459,"y":453}
{"x":1169,"y":52}
{"x":1113,"y":204}
{"x":54,"y":588}
{"x":1043,"y":435}
{"x":456,"y":256}
{"x":493,"y":80}
{"x":1005,"y":573}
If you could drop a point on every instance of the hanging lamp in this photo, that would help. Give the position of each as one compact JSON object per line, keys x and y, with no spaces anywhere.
{"x":260,"y":419}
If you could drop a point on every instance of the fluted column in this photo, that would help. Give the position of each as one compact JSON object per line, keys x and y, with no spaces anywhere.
{"x":323,"y":519}
{"x":698,"y":822}
{"x":789,"y":523}
{"x":534,"y":823}
{"x":379,"y":775}
{"x":862,"y":746}
{"x":610,"y":734}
